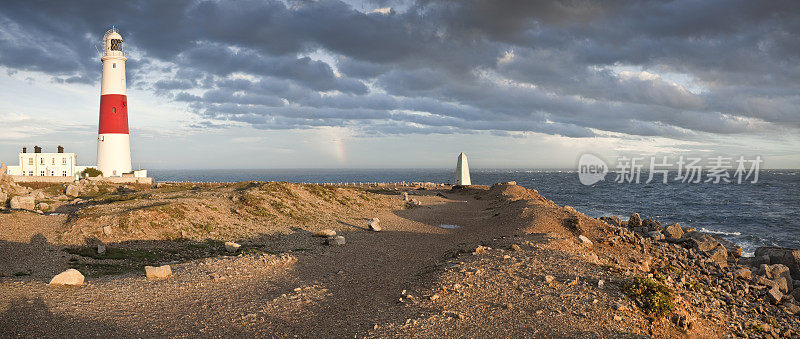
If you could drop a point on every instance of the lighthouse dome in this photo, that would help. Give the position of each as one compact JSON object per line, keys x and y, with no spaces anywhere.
{"x":112,"y":42}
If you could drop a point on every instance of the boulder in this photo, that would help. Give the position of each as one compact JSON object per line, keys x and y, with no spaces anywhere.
{"x":375,"y":225}
{"x":23,"y":203}
{"x":778,"y":273}
{"x":326,"y":233}
{"x":734,"y":251}
{"x":43,"y":206}
{"x":718,"y":255}
{"x":762,"y":280}
{"x":101,"y":249}
{"x":405,"y":196}
{"x":641,"y":230}
{"x":652,"y":225}
{"x":635,"y":220}
{"x":674,"y":231}
{"x":774,"y":295}
{"x":700,"y":241}
{"x":335,"y":241}
{"x":584,"y":240}
{"x":158,"y":273}
{"x":743,"y":273}
{"x":232,"y":247}
{"x":70,"y":277}
{"x":72,"y":190}
{"x":612,"y":220}
{"x":781,"y":255}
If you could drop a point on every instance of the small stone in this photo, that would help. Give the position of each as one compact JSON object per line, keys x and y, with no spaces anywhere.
{"x":101,"y":249}
{"x":479,"y":250}
{"x":326,"y":233}
{"x":617,"y":318}
{"x":107,"y":230}
{"x":434,"y":297}
{"x":618,"y":307}
{"x":375,"y":225}
{"x":584,"y":240}
{"x":516,"y":247}
{"x":232,"y":247}
{"x":601,"y":283}
{"x":743,"y":273}
{"x":70,"y":277}
{"x":549,"y":278}
{"x":335,"y":241}
{"x":158,"y":273}
{"x":765,"y":327}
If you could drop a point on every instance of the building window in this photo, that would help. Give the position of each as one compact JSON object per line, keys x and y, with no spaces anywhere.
{"x":64,"y":173}
{"x":41,"y":161}
{"x":30,"y":161}
{"x":42,"y":173}
{"x":114,"y":65}
{"x":113,"y":110}
{"x":63,"y":161}
{"x":54,"y":161}
{"x":30,"y":173}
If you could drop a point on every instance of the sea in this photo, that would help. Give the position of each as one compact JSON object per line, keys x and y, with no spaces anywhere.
{"x":764,"y":213}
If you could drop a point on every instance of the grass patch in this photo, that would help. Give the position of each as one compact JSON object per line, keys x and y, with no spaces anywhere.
{"x":653,"y":297}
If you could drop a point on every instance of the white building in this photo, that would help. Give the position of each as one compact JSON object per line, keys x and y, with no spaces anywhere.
{"x":40,"y":164}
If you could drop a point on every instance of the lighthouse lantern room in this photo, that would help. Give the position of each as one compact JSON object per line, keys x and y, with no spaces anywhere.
{"x":113,"y":141}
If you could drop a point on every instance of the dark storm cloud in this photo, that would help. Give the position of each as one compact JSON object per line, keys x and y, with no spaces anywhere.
{"x":574,"y":67}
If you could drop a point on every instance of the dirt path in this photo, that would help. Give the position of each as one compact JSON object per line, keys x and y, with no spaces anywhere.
{"x":327,"y":291}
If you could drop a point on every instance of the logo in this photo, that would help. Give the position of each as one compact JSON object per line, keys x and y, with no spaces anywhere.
{"x":591,"y":169}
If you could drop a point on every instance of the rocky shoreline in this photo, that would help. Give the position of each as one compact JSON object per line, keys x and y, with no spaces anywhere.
{"x":513,"y":264}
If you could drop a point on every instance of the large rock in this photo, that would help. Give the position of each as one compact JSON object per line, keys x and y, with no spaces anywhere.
{"x":674,"y":231}
{"x":734,"y":251}
{"x":778,"y":273}
{"x":656,"y":235}
{"x":158,"y":273}
{"x":652,"y":225}
{"x":72,"y":190}
{"x":43,"y":206}
{"x":635,"y":220}
{"x":718,"y":254}
{"x":700,"y":241}
{"x":780,"y":255}
{"x":70,"y":277}
{"x":335,"y":241}
{"x":23,"y":203}
{"x":584,"y":240}
{"x":774,"y":295}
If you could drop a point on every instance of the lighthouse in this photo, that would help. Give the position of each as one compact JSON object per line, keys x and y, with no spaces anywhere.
{"x":113,"y":142}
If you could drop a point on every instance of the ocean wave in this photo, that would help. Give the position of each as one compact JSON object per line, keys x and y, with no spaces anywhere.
{"x":705,"y":230}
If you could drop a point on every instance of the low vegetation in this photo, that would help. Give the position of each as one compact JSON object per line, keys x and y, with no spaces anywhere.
{"x":653,"y":297}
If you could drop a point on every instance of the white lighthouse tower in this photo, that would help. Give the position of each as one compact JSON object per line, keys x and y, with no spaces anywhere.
{"x":113,"y":142}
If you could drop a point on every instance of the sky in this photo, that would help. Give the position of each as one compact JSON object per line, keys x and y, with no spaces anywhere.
{"x":408,"y":84}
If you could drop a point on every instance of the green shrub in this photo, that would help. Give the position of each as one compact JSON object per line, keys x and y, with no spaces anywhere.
{"x":653,"y":297}
{"x":91,"y":172}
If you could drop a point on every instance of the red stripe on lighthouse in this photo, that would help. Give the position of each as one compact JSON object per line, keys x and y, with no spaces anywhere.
{"x":113,"y":114}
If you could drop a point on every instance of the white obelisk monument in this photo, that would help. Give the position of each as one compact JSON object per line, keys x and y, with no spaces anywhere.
{"x":462,"y":171}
